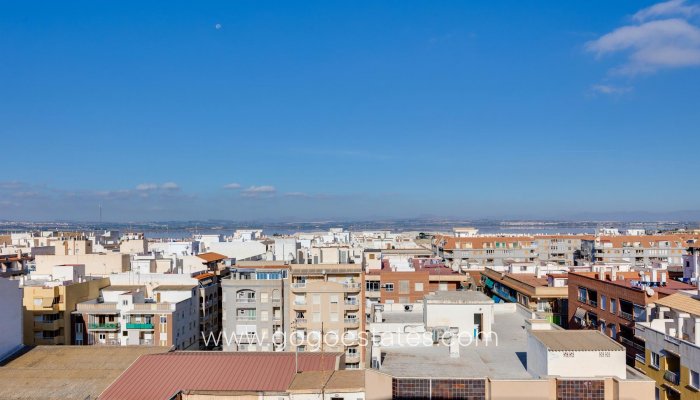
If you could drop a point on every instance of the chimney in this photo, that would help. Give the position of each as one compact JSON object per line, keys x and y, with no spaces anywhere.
{"x":613,"y":274}
{"x":601,"y":273}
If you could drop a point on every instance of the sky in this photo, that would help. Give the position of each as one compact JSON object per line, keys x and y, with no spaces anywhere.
{"x":245,"y":110}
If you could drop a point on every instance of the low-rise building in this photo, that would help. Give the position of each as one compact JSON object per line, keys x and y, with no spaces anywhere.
{"x":546,"y":295}
{"x":126,"y":315}
{"x":612,"y":302}
{"x":672,"y":347}
{"x":48,"y":304}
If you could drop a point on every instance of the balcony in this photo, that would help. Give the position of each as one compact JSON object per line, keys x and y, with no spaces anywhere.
{"x":631,"y":343}
{"x":276,"y":300}
{"x":626,"y":315}
{"x":298,"y":286}
{"x":48,"y":341}
{"x":672,"y":377}
{"x":593,"y":303}
{"x":301,"y":321}
{"x":352,"y":321}
{"x":351,"y":287}
{"x":352,"y":357}
{"x":352,"y":305}
{"x":139,"y":326}
{"x":641,"y":358}
{"x":245,"y":300}
{"x":245,"y":318}
{"x":300,"y":305}
{"x":48,"y":325}
{"x":105,"y":326}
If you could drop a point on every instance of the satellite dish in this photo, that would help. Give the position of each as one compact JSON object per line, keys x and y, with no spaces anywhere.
{"x":650,"y":291}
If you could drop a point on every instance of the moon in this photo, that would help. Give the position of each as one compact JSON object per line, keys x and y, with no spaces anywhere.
{"x":217,"y":26}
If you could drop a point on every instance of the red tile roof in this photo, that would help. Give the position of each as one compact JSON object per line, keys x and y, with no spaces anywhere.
{"x":160,"y":376}
{"x":210,"y":257}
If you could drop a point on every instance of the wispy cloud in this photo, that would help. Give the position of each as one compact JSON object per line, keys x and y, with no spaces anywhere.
{"x":232,"y":186}
{"x":297,"y":194}
{"x":147,"y":187}
{"x":667,"y":9}
{"x":610,"y":89}
{"x":653,"y":43}
{"x":170,"y":186}
{"x":259,"y":191}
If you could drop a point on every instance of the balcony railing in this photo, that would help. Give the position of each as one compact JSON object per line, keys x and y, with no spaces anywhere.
{"x":299,"y":285}
{"x":352,"y":321}
{"x":301,"y":321}
{"x":626,"y":315}
{"x":106,"y":326}
{"x":673,"y":340}
{"x":582,"y":299}
{"x":592,"y":302}
{"x":245,"y":318}
{"x":276,"y":300}
{"x":139,"y":326}
{"x":641,"y":358}
{"x":245,"y":300}
{"x":48,"y":341}
{"x":352,"y":286}
{"x":48,"y":325}
{"x":672,"y":377}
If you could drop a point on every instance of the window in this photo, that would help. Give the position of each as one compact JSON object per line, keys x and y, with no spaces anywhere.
{"x":694,"y":379}
{"x":404,"y":287}
{"x":371,"y":256}
{"x":316,"y":317}
{"x":582,"y":294}
{"x":163,"y":319}
{"x":263,"y":315}
{"x":603,"y":302}
{"x":372,"y":286}
{"x":334,"y":317}
{"x":442,"y":287}
{"x":264,"y":297}
{"x":613,"y":306}
{"x":389,"y":287}
{"x":655,"y":360}
{"x":419,"y":286}
{"x":334,"y":299}
{"x":317,"y":299}
{"x":613,"y":331}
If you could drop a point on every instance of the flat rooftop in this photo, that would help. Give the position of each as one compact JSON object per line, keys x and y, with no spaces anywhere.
{"x":458,"y":297}
{"x":503,"y":361}
{"x":402,"y":317}
{"x":67,"y":372}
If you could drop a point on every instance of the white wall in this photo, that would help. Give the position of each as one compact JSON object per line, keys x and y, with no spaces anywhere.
{"x":10,"y":317}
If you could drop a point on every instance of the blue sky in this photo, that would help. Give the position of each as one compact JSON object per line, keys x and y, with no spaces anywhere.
{"x":311,"y":110}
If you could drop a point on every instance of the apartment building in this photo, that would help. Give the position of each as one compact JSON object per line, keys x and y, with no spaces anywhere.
{"x":96,"y":264}
{"x":563,"y":249}
{"x":612,"y":302}
{"x":127,"y":316}
{"x":254,"y":307}
{"x":691,"y":263}
{"x":326,"y":300}
{"x":466,"y":346}
{"x":11,"y":317}
{"x":547,"y":295}
{"x":209,"y":307}
{"x":643,"y":250}
{"x":48,"y":305}
{"x":388,"y":285}
{"x":482,"y":251}
{"x":672,"y":347}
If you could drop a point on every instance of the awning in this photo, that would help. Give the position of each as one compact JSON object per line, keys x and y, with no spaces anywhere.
{"x":580,"y":313}
{"x":489,"y":283}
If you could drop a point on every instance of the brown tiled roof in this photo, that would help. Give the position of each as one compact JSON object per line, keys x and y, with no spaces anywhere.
{"x":679,"y":301}
{"x":211,"y":257}
{"x":160,"y":376}
{"x":576,"y":340}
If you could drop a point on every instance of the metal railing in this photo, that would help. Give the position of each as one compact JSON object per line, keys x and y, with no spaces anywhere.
{"x":245,"y":300}
{"x":353,"y":321}
{"x":104,"y":326}
{"x":672,"y":377}
{"x":626,"y":315}
{"x":139,"y":325}
{"x":592,"y":302}
{"x":641,"y":358}
{"x":245,"y":318}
